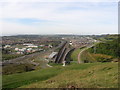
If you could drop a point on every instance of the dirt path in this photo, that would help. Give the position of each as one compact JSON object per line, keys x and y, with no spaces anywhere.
{"x":79,"y":61}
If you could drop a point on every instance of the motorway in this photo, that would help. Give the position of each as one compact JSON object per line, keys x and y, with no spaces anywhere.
{"x":21,"y":60}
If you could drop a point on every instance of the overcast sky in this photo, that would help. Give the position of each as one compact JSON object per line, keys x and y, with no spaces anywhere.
{"x":58,"y":17}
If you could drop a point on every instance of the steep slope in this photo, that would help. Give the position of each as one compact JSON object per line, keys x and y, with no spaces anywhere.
{"x":102,"y":75}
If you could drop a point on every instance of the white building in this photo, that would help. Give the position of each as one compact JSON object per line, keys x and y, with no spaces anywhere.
{"x":7,"y":46}
{"x":50,"y":46}
{"x":42,"y":45}
{"x":27,"y":44}
{"x":19,"y":52}
{"x":32,"y":46}
{"x":16,"y":49}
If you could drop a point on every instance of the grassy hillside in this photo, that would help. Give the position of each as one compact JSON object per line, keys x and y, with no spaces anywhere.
{"x":87,"y":57}
{"x":74,"y":55}
{"x":77,"y":75}
{"x":109,"y":48}
{"x":12,"y":68}
{"x":16,"y":80}
{"x":26,"y":65}
{"x":10,"y":56}
{"x":106,"y":51}
{"x":98,"y":76}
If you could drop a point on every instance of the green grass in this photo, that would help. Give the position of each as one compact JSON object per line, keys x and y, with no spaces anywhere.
{"x":10,"y":56}
{"x":12,"y":68}
{"x":74,"y":55}
{"x":55,"y":64}
{"x":19,"y":46}
{"x":25,"y":67}
{"x":102,"y":75}
{"x":17,"y":80}
{"x":86,"y":56}
{"x":79,"y":75}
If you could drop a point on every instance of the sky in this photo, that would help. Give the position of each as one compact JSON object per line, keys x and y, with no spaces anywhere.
{"x":79,"y":17}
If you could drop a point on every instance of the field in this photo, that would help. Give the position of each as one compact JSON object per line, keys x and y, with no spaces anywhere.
{"x":10,"y":56}
{"x":91,"y":75}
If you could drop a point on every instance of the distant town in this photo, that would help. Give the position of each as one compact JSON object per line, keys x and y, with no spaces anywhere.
{"x":23,"y":45}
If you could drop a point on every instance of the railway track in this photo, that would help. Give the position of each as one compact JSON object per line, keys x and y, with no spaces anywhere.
{"x":64,"y":50}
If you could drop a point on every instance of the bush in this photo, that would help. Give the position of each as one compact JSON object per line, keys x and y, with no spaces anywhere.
{"x":104,"y":60}
{"x":108,"y":48}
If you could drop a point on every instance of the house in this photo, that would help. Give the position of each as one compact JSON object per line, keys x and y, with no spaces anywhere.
{"x":29,"y":50}
{"x":50,"y":46}
{"x":33,"y":46}
{"x":42,"y":45}
{"x":7,"y":46}
{"x":30,"y":45}
{"x":70,"y":43}
{"x":19,"y":52}
{"x":27,"y":44}
{"x":16,"y":49}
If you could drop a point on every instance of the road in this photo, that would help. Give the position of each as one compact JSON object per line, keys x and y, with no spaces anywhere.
{"x":21,"y":60}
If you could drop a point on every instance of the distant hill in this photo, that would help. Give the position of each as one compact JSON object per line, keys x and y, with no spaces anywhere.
{"x":106,"y":37}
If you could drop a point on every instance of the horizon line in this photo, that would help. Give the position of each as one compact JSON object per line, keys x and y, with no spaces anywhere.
{"x":60,"y":34}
